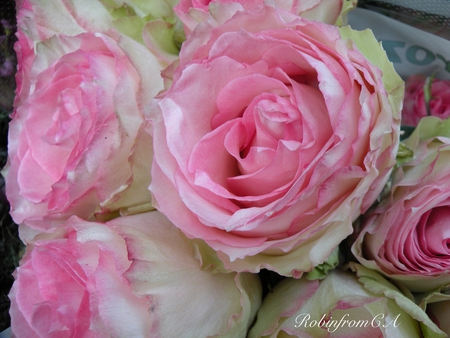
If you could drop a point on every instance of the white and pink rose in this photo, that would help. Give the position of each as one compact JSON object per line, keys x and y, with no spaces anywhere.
{"x":78,"y":144}
{"x":136,"y":276}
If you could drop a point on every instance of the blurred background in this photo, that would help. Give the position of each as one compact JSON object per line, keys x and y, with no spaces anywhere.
{"x":10,"y":245}
{"x":432,"y":16}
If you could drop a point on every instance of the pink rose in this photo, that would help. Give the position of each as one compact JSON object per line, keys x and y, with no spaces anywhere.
{"x":415,"y":106}
{"x":75,"y":145}
{"x":125,"y":279}
{"x":406,"y":236}
{"x":274,"y":136}
{"x":193,"y":12}
{"x":71,"y":284}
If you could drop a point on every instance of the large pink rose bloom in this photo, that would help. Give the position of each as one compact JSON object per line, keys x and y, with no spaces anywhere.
{"x":274,"y":136}
{"x":76,"y":146}
{"x":406,"y":236}
{"x":136,"y":276}
{"x":415,"y":107}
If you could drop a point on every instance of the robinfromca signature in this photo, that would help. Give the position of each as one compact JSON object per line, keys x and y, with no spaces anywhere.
{"x":380,"y":320}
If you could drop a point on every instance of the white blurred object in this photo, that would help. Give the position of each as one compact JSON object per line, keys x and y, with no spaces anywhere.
{"x":412,"y":51}
{"x":6,"y":333}
{"x":432,"y":16}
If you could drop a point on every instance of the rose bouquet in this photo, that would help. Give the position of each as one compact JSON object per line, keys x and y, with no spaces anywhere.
{"x":193,"y":168}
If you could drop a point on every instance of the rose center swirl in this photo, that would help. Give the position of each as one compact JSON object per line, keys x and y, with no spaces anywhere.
{"x":267,"y":144}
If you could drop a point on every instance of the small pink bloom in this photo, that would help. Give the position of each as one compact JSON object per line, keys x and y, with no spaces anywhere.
{"x":415,"y":106}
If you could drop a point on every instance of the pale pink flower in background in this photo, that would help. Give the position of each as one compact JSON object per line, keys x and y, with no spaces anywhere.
{"x":415,"y":106}
{"x":275,"y":135}
{"x":136,"y":276}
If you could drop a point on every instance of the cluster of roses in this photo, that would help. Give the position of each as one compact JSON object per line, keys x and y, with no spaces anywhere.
{"x":153,"y":184}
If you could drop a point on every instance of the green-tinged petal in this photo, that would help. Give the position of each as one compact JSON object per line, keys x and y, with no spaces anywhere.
{"x":373,"y":51}
{"x":437,"y":305}
{"x":347,"y":6}
{"x":434,"y":296}
{"x":45,"y":18}
{"x":404,"y":154}
{"x":379,"y":285}
{"x":159,"y":37}
{"x":131,"y":26}
{"x":321,"y":271}
{"x":429,"y":127}
{"x":288,"y":296}
{"x":294,"y":263}
{"x":207,"y":257}
{"x":427,"y":92}
{"x":157,"y":8}
{"x":151,"y":22}
{"x":332,"y":12}
{"x":142,"y":8}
